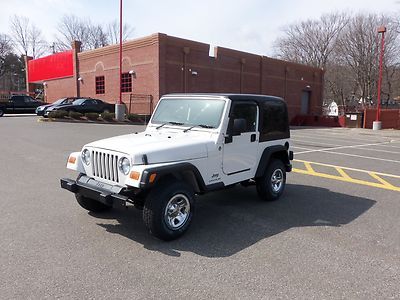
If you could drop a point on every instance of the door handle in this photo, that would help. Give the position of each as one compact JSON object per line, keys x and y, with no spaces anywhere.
{"x":253,"y":138}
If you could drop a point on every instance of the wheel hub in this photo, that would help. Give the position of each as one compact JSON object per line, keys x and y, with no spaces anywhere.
{"x":277,"y":180}
{"x":177,"y":211}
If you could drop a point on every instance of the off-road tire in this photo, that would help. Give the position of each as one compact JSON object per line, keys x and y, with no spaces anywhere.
{"x":270,"y":186}
{"x":90,"y":204}
{"x":160,"y":220}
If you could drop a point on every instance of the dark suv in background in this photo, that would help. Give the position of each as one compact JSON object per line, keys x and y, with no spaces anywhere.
{"x":19,"y":104}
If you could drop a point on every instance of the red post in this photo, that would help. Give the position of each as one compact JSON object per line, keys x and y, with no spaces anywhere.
{"x":381,"y":30}
{"x":120,"y":52}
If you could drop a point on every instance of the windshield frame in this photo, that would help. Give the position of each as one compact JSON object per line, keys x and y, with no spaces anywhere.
{"x":198,"y":125}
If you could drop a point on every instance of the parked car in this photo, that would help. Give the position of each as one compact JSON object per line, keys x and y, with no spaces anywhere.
{"x":84,"y":105}
{"x":19,"y":104}
{"x":60,"y":102}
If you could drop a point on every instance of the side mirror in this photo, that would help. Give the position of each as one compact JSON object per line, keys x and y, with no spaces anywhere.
{"x":239,"y":126}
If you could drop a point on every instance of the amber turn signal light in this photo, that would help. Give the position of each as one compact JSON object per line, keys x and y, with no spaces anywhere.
{"x":152,"y":177}
{"x":72,"y":159}
{"x":134,"y":175}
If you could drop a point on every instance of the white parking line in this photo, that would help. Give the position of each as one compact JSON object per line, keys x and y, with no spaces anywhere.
{"x":353,"y":146}
{"x":353,"y":155}
{"x":317,"y":143}
{"x":332,"y":137}
{"x":341,"y":147}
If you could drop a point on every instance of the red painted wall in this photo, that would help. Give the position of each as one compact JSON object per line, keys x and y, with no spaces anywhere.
{"x":54,"y":66}
{"x":390,"y":118}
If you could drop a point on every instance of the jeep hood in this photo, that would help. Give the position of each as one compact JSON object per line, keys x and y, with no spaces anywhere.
{"x":160,"y":147}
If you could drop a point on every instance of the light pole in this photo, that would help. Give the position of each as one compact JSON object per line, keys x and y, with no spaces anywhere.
{"x":377,"y":124}
{"x":119,"y":106}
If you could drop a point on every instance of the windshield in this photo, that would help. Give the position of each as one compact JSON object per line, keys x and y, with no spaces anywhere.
{"x":59,"y":101}
{"x":78,"y":101}
{"x":205,"y":112}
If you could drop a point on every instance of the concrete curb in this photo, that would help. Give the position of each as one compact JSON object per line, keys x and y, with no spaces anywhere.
{"x":127,"y":122}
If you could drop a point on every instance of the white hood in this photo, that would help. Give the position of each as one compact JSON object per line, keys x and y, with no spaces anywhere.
{"x":160,"y":146}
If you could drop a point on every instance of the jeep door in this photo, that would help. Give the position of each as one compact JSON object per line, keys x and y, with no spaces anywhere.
{"x":241,"y":141}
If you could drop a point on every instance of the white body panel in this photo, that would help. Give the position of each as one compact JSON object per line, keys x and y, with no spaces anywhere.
{"x":217,"y":161}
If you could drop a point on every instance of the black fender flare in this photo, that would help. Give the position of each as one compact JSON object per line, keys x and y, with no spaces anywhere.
{"x":266,"y":156}
{"x":186,"y":171}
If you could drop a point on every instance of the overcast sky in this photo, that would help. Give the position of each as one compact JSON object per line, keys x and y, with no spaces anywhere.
{"x":247,"y":25}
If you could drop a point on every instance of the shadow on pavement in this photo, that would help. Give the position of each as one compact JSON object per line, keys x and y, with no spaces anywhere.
{"x":230,"y":221}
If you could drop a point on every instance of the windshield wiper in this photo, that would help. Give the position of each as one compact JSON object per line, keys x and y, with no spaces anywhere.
{"x":172,"y":123}
{"x":199,"y":125}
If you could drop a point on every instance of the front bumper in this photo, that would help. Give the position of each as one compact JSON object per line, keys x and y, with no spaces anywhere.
{"x":93,"y":189}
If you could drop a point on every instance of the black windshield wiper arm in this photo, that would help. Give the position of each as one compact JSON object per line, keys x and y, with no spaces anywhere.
{"x":172,"y":123}
{"x":200,"y":125}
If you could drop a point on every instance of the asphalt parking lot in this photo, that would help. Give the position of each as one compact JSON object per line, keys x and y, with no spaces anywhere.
{"x":335,"y":234}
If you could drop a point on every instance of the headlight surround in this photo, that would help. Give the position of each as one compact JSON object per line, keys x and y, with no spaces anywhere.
{"x":124,"y":165}
{"x":86,"y":156}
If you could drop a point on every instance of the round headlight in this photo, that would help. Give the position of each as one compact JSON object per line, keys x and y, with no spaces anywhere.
{"x":124,"y":165}
{"x":86,"y":156}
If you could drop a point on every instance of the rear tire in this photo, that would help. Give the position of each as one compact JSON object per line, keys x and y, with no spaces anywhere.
{"x":90,"y":204}
{"x":1,"y":112}
{"x":168,"y":209}
{"x":271,"y":185}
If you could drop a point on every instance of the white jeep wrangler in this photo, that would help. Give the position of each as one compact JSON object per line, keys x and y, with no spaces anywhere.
{"x":193,"y":144}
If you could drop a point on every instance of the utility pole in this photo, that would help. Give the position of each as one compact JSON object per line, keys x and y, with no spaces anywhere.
{"x":377,"y":124}
{"x":119,"y":106}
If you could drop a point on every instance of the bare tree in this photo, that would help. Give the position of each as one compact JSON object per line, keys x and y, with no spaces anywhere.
{"x":72,"y":28}
{"x":91,"y":35}
{"x":113,"y":32}
{"x":347,"y":47}
{"x":359,"y":47}
{"x":311,"y":42}
{"x":20,"y":32}
{"x":38,"y":45}
{"x":6,"y":48}
{"x":97,"y":37}
{"x":28,"y":38}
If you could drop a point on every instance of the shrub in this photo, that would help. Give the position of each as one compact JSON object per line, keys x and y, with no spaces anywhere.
{"x":134,"y":118}
{"x":75,"y":115}
{"x":58,"y":114}
{"x":92,"y":116}
{"x":106,"y":116}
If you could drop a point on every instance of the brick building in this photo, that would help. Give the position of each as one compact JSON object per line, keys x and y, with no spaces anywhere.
{"x":161,"y":64}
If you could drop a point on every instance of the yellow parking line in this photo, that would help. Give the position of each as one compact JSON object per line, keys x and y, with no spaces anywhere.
{"x":383,"y":184}
{"x":343,"y":173}
{"x":346,"y":168}
{"x":308,"y":167}
{"x":381,"y":180}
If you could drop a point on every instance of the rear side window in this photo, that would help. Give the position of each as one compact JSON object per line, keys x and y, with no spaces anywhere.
{"x":275,"y":123}
{"x":18,"y":99}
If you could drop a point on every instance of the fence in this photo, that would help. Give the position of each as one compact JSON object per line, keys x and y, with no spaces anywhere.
{"x":390,"y":118}
{"x":140,"y":104}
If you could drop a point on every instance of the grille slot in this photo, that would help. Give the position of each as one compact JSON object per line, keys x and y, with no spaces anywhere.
{"x":105,"y":165}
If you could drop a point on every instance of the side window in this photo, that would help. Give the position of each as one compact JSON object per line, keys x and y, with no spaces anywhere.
{"x":275,"y":121}
{"x":18,"y":99}
{"x":247,"y":111}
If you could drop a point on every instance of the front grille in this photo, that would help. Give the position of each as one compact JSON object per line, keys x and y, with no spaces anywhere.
{"x":105,"y":165}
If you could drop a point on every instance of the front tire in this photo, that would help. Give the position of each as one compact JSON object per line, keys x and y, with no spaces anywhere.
{"x":271,"y":185}
{"x":168,"y":210}
{"x":90,"y":204}
{"x":1,"y":112}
